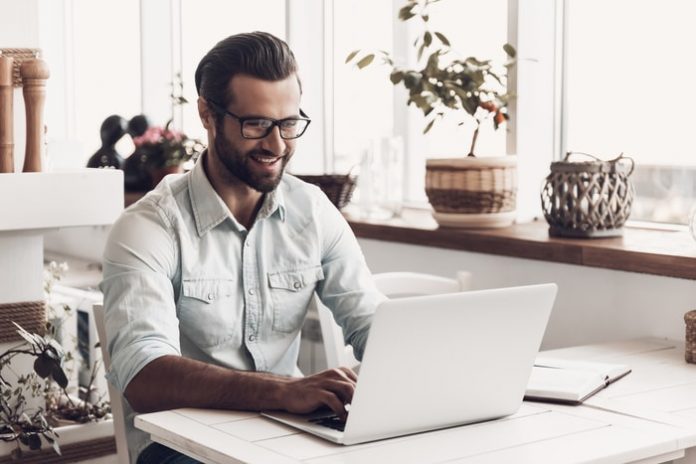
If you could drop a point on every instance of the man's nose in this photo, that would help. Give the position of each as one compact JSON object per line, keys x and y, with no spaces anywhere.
{"x":274,"y":142}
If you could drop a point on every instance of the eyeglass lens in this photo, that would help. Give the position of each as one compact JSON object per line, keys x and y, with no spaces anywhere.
{"x":259,"y":128}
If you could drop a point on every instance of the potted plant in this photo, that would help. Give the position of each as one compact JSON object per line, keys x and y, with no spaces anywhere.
{"x":469,"y":191}
{"x":159,"y":151}
{"x":37,"y":405}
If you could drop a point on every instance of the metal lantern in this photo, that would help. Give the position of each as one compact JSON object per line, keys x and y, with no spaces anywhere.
{"x":588,"y":198}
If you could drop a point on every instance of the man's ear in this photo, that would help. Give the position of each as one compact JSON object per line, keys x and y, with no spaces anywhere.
{"x":206,"y":114}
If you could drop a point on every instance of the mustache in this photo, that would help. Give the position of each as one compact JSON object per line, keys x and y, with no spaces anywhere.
{"x":262,"y":152}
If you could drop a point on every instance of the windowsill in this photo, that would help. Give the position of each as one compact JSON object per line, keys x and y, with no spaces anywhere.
{"x":668,"y":253}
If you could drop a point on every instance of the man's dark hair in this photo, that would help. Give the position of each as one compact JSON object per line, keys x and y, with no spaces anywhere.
{"x":257,"y":54}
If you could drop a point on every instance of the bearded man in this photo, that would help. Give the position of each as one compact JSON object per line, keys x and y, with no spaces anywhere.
{"x":208,"y":277}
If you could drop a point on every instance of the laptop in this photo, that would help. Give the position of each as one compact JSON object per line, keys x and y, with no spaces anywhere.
{"x":439,"y":361}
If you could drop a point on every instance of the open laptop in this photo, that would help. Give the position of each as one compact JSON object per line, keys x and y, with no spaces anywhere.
{"x":439,"y":361}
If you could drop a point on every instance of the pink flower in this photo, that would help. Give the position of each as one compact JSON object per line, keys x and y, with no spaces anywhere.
{"x":153,"y":135}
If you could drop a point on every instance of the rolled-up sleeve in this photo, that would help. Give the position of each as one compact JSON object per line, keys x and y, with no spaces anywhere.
{"x":140,"y":260}
{"x":348,"y":288}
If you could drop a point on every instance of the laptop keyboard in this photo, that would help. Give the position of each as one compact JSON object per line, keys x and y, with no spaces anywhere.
{"x":332,"y":422}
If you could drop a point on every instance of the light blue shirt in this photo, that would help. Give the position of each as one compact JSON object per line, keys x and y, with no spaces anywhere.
{"x":183,"y":277}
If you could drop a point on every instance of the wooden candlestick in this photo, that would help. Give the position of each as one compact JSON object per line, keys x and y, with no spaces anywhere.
{"x":34,"y":74}
{"x":6,"y":134}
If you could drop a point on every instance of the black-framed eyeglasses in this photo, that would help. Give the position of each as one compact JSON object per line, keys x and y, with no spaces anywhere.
{"x":257,"y":128}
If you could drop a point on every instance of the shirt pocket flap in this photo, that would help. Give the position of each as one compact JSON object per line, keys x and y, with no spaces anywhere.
{"x":208,"y":291}
{"x":295,"y":280}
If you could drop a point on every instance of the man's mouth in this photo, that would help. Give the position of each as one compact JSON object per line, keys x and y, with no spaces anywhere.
{"x":267,"y":160}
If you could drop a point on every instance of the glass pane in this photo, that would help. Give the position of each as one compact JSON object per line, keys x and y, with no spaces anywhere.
{"x":364,"y":102}
{"x":107,"y":68}
{"x":362,"y":98}
{"x":204,"y":23}
{"x":630,"y":89}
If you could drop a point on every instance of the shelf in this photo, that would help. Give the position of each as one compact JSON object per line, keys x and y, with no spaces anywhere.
{"x":47,"y":200}
{"x":659,"y":252}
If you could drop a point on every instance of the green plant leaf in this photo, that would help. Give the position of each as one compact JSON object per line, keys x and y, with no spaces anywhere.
{"x":34,"y":442}
{"x":425,"y":18}
{"x":352,"y":55}
{"x":56,"y":447}
{"x":366,"y":60}
{"x":396,"y":76}
{"x":429,"y":126}
{"x":427,"y":38}
{"x":42,"y":366}
{"x":442,"y":38}
{"x":405,"y":13}
{"x":420,"y":51}
{"x":510,"y":50}
{"x":412,"y":79}
{"x":433,"y":63}
{"x":59,"y":376}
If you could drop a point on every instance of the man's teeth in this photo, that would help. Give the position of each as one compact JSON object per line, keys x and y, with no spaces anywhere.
{"x":265,"y":160}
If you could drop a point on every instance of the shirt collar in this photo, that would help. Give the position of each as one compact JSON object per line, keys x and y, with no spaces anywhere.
{"x":209,"y":209}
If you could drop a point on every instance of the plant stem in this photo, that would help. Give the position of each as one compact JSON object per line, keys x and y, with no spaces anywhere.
{"x":473,"y":140}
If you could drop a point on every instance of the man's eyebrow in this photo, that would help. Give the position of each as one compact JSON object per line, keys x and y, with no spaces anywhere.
{"x":255,"y":116}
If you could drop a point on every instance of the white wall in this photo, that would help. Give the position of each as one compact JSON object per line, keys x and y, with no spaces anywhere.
{"x":592,"y":305}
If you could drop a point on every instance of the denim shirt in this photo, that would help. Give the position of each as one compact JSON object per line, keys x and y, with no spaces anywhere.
{"x":183,"y":277}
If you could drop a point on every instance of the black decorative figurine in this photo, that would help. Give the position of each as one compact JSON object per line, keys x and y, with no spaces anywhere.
{"x":111,"y":131}
{"x":136,"y":172}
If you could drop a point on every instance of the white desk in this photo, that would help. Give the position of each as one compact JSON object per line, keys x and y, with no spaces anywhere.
{"x":538,"y":433}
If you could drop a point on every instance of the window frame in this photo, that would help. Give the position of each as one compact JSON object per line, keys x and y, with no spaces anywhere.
{"x":536,"y":144}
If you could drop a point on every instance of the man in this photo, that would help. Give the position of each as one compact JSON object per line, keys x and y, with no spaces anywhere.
{"x":207,"y":278}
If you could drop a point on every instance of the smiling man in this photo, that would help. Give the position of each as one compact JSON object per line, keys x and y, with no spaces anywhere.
{"x":207,"y":279}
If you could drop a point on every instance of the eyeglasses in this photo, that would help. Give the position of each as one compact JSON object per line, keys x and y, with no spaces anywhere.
{"x":258,"y":128}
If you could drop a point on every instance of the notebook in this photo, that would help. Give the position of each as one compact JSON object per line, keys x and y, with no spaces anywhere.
{"x":439,"y":361}
{"x":565,"y":381}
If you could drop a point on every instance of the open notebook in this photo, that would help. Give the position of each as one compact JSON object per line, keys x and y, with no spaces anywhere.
{"x":564,"y":381}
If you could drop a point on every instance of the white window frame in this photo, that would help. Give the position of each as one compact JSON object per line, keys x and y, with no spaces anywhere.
{"x":535,"y":129}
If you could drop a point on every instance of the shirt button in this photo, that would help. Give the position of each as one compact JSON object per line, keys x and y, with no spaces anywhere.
{"x":252,"y":337}
{"x":251,"y":291}
{"x":247,"y":243}
{"x":211,"y":296}
{"x":297,"y":285}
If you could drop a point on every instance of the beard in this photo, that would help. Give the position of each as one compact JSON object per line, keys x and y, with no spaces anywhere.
{"x":240,"y":166}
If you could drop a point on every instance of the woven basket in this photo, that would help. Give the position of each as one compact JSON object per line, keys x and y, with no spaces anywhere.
{"x":30,"y":315}
{"x":472,"y":185}
{"x":338,"y":187}
{"x":589,"y":198}
{"x":19,"y":55}
{"x":690,"y":339}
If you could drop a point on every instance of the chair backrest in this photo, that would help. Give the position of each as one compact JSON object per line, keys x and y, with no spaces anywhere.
{"x":114,"y":395}
{"x":393,"y":285}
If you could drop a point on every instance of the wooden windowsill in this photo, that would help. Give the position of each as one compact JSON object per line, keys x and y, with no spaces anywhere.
{"x":659,"y":252}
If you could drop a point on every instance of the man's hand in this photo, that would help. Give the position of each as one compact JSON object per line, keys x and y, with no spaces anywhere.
{"x":333,"y":388}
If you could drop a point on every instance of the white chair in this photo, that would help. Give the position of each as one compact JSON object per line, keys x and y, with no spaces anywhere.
{"x":393,"y":285}
{"x":114,"y":395}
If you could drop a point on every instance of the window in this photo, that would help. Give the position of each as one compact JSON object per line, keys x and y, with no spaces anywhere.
{"x":474,"y":28}
{"x":629,"y":84}
{"x":362,"y":99}
{"x":206,"y":22}
{"x":367,"y":106}
{"x":105,"y":73}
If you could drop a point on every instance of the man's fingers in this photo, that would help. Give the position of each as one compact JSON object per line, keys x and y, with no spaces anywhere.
{"x":349,"y":373}
{"x":334,"y":403}
{"x":344,"y":389}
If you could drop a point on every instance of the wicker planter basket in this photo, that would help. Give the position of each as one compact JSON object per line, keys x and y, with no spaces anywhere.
{"x":588,"y":198}
{"x":472,"y":192}
{"x":338,"y":187}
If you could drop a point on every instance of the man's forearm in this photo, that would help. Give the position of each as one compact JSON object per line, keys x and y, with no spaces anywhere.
{"x":177,"y":382}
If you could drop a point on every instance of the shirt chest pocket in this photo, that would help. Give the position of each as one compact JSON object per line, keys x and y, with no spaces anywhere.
{"x":209,"y":313}
{"x":291,"y":292}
